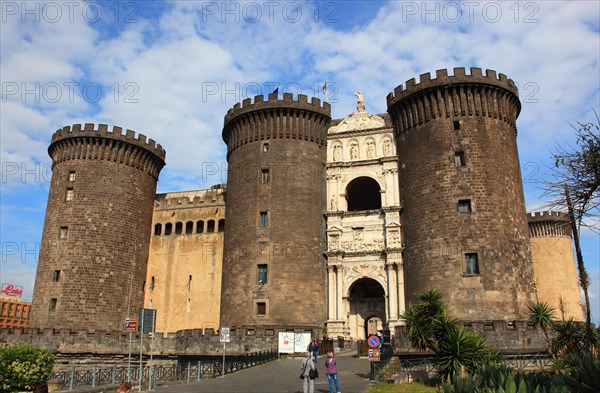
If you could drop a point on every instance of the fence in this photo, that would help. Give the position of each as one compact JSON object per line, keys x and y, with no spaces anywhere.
{"x":182,"y":371}
{"x":386,"y":370}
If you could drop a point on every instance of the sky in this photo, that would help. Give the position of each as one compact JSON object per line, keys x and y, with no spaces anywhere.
{"x":172,"y":69}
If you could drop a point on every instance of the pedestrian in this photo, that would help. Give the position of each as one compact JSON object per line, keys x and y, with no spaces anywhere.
{"x":307,"y":364}
{"x":125,"y":387}
{"x":332,"y":373}
{"x":315,"y":350}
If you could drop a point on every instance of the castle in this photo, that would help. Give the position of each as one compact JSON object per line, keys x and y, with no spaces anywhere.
{"x":327,"y":226}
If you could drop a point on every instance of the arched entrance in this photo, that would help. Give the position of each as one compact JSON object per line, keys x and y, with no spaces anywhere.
{"x":367,"y":308}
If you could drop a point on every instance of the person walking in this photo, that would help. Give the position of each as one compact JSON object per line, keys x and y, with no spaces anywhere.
{"x":332,"y":373}
{"x":307,"y":364}
{"x":315,"y":350}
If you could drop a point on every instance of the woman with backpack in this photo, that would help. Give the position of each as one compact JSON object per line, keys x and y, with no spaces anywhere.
{"x":332,"y":373}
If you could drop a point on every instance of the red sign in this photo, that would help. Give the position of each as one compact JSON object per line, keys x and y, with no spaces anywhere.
{"x":11,"y":290}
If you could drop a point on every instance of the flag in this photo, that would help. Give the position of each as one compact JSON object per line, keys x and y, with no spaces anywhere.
{"x":325,"y":87}
{"x":276,"y":91}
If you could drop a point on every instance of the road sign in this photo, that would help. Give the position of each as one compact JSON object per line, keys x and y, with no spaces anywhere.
{"x":373,"y":341}
{"x":374,"y":355}
{"x":224,"y":335}
{"x":131,"y":325}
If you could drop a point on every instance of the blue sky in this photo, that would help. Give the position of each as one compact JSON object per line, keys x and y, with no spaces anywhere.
{"x":170,"y":70}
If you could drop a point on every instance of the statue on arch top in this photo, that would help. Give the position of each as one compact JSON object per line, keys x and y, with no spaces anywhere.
{"x":361,"y":101}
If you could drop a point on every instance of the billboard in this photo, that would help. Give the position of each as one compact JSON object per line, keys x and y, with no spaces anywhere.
{"x":11,"y":290}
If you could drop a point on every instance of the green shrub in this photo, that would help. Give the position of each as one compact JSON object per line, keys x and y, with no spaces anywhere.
{"x":24,"y":366}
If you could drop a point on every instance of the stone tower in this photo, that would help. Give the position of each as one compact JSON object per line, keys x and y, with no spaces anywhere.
{"x":464,"y":221}
{"x":554,"y":263}
{"x":273,"y":265}
{"x":94,"y":250}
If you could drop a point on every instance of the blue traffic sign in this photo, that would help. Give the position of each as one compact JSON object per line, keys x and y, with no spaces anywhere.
{"x":373,"y":341}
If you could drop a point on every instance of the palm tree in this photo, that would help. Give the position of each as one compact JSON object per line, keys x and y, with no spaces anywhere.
{"x":430,"y":327}
{"x":542,"y":316}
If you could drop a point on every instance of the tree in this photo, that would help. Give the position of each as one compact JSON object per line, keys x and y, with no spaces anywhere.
{"x":576,"y":185}
{"x":541,"y":315}
{"x":458,"y":351}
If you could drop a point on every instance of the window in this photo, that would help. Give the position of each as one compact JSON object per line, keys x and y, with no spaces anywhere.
{"x":264,"y":176}
{"x":472,"y":264}
{"x":69,"y":196}
{"x":199,"y":226}
{"x":459,"y":159}
{"x":265,"y":147}
{"x":64,"y":231}
{"x":52,"y":306}
{"x":464,"y":206}
{"x":157,"y":229}
{"x":189,"y":227}
{"x":56,"y":276}
{"x":71,"y":175}
{"x":210,"y":226}
{"x":178,"y":228}
{"x":261,"y":308}
{"x":264,"y":219}
{"x":221,"y":225}
{"x":152,"y":283}
{"x":456,"y":125}
{"x":262,"y":274}
{"x":168,"y":229}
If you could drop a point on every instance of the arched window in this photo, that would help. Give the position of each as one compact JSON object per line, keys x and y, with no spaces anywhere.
{"x":210,"y":226}
{"x":168,"y":229}
{"x":200,"y":226}
{"x":189,"y":227}
{"x":157,"y":229}
{"x":221,"y":225}
{"x":178,"y":228}
{"x":363,"y":193}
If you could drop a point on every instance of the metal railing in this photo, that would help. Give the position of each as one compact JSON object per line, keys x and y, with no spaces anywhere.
{"x":182,"y":372}
{"x":386,"y":370}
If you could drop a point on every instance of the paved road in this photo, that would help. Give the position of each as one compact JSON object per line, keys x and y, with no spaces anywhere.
{"x":282,"y":376}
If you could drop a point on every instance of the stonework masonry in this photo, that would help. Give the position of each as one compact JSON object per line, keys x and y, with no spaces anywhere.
{"x":463,"y":218}
{"x":554,"y":265}
{"x":273,"y":268}
{"x":94,"y":250}
{"x":327,"y":227}
{"x":186,"y":252}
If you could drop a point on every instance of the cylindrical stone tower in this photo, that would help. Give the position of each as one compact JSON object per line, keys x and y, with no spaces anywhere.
{"x":464,"y":221}
{"x":94,"y":250}
{"x":273,"y":266}
{"x":554,"y":263}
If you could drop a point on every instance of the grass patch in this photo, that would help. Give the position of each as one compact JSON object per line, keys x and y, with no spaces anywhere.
{"x":412,"y":387}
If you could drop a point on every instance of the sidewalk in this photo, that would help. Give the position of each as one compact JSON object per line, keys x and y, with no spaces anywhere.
{"x":282,"y":376}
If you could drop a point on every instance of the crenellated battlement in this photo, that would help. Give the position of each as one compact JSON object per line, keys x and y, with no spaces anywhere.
{"x":189,"y":199}
{"x":273,"y":102}
{"x":452,"y":97}
{"x":548,"y":223}
{"x":251,"y":121}
{"x":90,"y":143}
{"x":102,"y":131}
{"x":460,"y":77}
